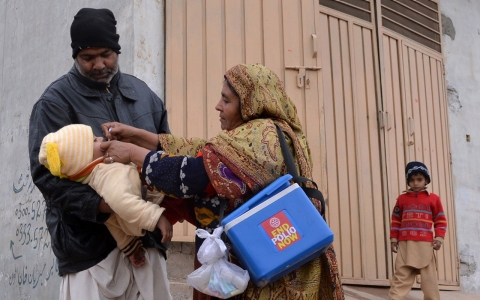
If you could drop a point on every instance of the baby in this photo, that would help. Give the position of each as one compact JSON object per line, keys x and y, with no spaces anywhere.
{"x":73,"y":152}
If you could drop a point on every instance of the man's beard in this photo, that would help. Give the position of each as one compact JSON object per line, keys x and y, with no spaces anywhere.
{"x":91,"y":75}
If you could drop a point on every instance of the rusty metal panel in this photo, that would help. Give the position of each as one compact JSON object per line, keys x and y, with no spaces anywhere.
{"x":417,"y":20}
{"x":431,"y":142}
{"x":293,"y":44}
{"x":273,"y":36}
{"x":450,"y":274}
{"x":393,"y":119}
{"x":195,"y":44}
{"x":414,"y":94}
{"x":313,"y":114}
{"x":175,"y":87}
{"x":332,"y":213}
{"x":175,"y":64}
{"x":359,"y":169}
{"x":234,"y":33}
{"x":370,"y":193}
{"x":355,"y":210}
{"x":358,"y":8}
{"x":214,"y":62}
{"x":207,"y":37}
{"x":254,"y":48}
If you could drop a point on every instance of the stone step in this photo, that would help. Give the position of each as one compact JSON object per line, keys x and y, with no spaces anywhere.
{"x":181,"y":291}
{"x":180,"y":257}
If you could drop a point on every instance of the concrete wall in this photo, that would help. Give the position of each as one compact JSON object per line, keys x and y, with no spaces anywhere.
{"x":34,"y":51}
{"x":461,"y":33}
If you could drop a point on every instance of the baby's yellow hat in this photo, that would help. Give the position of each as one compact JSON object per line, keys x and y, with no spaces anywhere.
{"x":68,"y":150}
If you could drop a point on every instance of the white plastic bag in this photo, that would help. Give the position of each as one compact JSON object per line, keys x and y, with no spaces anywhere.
{"x":217,"y":276}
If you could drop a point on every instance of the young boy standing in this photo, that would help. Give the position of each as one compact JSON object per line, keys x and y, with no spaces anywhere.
{"x":412,"y":237}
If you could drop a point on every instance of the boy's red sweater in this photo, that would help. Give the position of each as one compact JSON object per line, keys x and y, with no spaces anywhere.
{"x":413,"y":217}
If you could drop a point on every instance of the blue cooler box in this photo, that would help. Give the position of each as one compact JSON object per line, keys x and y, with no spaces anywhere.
{"x":276,"y":231}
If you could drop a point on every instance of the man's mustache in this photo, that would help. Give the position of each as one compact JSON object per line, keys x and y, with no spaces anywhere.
{"x":101,"y":72}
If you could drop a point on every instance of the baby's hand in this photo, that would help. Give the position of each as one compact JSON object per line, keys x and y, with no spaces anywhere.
{"x":137,"y":258}
{"x":166,"y":228}
{"x":394,"y":247}
{"x":436,"y":244}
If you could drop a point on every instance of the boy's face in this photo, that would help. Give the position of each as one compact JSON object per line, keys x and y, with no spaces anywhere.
{"x":97,"y":152}
{"x":417,"y":182}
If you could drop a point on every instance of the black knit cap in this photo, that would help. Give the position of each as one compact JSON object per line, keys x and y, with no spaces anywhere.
{"x":415,"y":167}
{"x":94,"y":28}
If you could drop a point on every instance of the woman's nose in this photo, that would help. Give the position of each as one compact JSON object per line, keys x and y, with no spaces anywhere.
{"x":218,"y":106}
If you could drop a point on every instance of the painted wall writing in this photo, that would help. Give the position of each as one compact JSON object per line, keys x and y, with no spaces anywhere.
{"x":28,"y":263}
{"x":40,"y":31}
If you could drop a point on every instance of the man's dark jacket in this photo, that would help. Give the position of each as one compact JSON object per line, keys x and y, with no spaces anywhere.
{"x":79,"y":238}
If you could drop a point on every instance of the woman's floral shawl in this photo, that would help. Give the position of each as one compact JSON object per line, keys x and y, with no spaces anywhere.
{"x":242,"y":161}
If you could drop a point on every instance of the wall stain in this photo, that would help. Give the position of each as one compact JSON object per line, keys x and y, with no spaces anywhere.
{"x":447,"y":27}
{"x":454,"y":104}
{"x":468,"y":265}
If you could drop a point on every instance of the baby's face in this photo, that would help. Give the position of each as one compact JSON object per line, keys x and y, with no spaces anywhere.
{"x":97,"y":152}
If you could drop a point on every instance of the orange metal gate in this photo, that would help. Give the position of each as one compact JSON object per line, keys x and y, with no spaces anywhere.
{"x":369,"y":98}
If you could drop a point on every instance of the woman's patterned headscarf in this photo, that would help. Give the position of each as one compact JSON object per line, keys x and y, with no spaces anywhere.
{"x":252,"y":150}
{"x":262,"y":94}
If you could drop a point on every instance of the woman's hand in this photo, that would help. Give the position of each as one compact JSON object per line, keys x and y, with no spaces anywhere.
{"x":115,"y":131}
{"x":117,"y":151}
{"x":121,"y":152}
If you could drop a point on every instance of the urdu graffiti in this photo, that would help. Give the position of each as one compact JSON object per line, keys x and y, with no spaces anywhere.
{"x":29,"y":260}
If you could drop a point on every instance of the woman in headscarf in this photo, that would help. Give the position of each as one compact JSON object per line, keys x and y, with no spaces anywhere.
{"x":235,"y":165}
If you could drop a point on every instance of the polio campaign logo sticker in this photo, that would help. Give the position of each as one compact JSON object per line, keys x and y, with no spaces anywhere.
{"x":281,"y":230}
